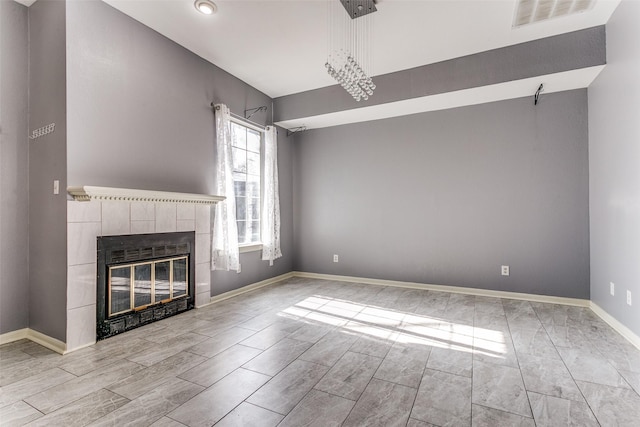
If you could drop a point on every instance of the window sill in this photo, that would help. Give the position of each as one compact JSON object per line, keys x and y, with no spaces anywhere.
{"x":250,"y":248}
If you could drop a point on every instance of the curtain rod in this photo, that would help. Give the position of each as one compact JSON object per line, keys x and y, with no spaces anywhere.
{"x":239,"y":117}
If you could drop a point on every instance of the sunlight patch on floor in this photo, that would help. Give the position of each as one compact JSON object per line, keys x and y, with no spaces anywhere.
{"x":396,"y":326}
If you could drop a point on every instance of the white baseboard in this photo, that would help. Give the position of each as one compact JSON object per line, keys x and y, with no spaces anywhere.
{"x":249,"y":288}
{"x":615,"y":324}
{"x":80,"y":347}
{"x":12,"y":336}
{"x":35,"y":336}
{"x":444,"y":288}
{"x":61,"y":347}
{"x":46,"y":341}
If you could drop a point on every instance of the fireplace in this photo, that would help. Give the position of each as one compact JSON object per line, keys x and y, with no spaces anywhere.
{"x":143,"y":278}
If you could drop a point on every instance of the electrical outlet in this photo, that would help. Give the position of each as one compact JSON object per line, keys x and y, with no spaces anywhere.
{"x":612,"y":288}
{"x":629,"y":297}
{"x":505,"y":270}
{"x":335,"y":258}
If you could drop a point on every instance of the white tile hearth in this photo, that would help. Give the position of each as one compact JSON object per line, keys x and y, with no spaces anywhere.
{"x":141,"y":227}
{"x":80,"y":330}
{"x":186,"y":211}
{"x":166,"y":217}
{"x":84,"y":212}
{"x":88,"y":220}
{"x":203,"y":248}
{"x":143,"y":211}
{"x":203,"y":284}
{"x":185,"y":225}
{"x":115,"y":218}
{"x":81,"y":285}
{"x":81,"y":242}
{"x":203,"y":219}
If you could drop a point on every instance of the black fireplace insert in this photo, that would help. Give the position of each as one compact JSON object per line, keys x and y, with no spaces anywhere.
{"x":143,"y":278}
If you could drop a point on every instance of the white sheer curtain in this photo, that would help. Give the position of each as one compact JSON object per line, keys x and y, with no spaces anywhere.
{"x":224,"y":242}
{"x":270,"y":218}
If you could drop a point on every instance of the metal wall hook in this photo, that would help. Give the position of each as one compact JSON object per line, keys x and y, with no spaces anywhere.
{"x":253,"y":111}
{"x":44,"y":130}
{"x":242,"y":118}
{"x":537,"y":95}
{"x":295,"y":130}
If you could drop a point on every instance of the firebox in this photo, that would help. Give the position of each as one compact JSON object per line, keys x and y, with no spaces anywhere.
{"x":143,"y":278}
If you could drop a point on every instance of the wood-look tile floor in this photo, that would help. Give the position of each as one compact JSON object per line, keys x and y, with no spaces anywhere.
{"x":311,"y":352}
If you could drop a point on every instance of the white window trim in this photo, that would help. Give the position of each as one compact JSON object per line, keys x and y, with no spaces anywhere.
{"x":247,"y":124}
{"x":255,"y":246}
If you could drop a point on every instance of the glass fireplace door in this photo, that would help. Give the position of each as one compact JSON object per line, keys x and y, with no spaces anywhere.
{"x":137,"y":286}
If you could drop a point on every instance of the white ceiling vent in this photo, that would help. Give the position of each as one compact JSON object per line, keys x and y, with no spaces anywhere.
{"x":530,"y":11}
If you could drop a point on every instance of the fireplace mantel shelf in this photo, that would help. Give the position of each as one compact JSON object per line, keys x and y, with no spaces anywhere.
{"x":86,"y":193}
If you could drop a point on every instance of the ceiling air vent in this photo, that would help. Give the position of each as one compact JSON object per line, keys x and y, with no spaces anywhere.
{"x":530,"y":11}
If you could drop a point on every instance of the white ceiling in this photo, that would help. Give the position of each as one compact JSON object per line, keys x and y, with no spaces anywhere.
{"x":279,"y":46}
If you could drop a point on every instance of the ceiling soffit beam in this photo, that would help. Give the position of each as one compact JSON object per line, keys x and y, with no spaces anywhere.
{"x":551,"y":55}
{"x":566,"y":80}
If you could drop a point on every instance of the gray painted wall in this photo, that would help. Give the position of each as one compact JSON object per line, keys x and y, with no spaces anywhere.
{"x":447,"y":197}
{"x":139,"y":117}
{"x":14,"y":62}
{"x":139,"y":105}
{"x":570,"y":51}
{"x":614,"y":150}
{"x":47,"y":162}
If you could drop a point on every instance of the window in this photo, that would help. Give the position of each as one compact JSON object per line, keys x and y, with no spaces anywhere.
{"x":246,"y":143}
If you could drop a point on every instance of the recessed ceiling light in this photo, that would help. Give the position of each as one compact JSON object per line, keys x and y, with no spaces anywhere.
{"x":206,"y":6}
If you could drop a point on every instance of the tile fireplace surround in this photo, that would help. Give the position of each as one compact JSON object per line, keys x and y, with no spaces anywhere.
{"x":88,"y":220}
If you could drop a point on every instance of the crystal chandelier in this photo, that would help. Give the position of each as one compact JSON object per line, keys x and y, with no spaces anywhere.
{"x":349,"y":54}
